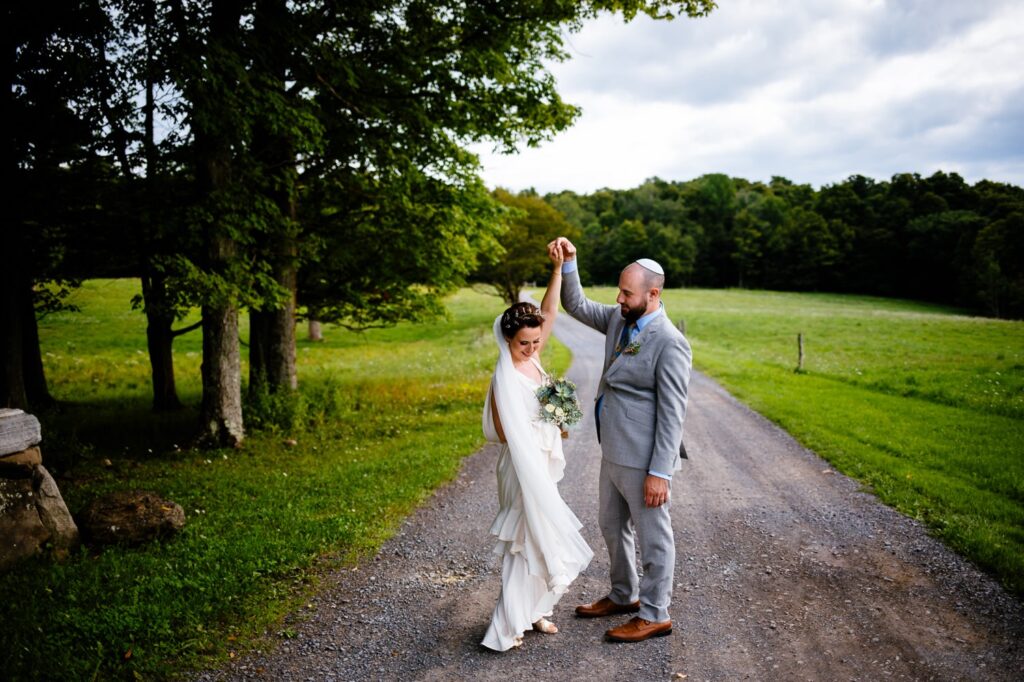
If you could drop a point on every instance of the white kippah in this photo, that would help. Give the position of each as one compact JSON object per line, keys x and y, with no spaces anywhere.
{"x":651,"y":265}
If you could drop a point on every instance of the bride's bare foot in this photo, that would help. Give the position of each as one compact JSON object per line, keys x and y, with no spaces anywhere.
{"x":546,"y":626}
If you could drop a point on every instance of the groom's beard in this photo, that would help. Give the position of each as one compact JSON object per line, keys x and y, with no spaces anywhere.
{"x":631,"y":315}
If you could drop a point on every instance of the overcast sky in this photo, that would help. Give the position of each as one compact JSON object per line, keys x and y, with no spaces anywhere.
{"x":813,"y":90}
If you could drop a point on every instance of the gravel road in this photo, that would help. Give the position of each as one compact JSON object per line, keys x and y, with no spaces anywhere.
{"x":784,"y":570}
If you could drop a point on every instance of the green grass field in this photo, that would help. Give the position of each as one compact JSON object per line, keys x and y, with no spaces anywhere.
{"x":383,"y":418}
{"x":923,"y":405}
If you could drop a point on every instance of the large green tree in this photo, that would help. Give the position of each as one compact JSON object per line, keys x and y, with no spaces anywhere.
{"x":393,"y":200}
{"x":388,"y":206}
{"x":313,"y":151}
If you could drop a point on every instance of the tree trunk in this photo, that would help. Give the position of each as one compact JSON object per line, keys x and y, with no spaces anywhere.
{"x":34,"y":377}
{"x":257,"y":354}
{"x":315,"y":331}
{"x":22,"y":379}
{"x":159,"y":315}
{"x":15,"y":278}
{"x":160,"y":342}
{"x":511,"y":291}
{"x":221,"y":416}
{"x":221,"y":413}
{"x":272,"y":341}
{"x":272,"y":330}
{"x":12,"y":339}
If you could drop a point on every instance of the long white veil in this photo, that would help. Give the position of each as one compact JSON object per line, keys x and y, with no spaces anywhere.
{"x":557,"y":552}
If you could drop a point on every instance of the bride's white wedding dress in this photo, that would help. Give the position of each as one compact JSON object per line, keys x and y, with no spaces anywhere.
{"x":538,"y":535}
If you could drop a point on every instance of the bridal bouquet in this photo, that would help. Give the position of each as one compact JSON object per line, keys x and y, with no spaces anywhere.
{"x":559,"y":404}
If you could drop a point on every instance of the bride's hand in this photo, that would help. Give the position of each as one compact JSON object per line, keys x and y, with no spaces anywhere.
{"x":555,"y":253}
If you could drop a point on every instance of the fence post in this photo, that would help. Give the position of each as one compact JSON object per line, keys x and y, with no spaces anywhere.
{"x":800,"y":353}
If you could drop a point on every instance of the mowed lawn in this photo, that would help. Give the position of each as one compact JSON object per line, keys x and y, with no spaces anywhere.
{"x":923,"y":405}
{"x":383,"y":418}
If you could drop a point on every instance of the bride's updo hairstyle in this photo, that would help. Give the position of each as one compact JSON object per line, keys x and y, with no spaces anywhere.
{"x":518,"y":316}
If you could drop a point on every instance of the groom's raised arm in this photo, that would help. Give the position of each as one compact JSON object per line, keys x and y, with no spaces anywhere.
{"x":574,"y":301}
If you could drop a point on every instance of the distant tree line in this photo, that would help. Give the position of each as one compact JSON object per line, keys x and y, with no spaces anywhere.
{"x":934,"y":239}
{"x":263,"y":157}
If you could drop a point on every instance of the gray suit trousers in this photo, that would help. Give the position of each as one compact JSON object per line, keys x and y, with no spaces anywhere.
{"x":624,"y":519}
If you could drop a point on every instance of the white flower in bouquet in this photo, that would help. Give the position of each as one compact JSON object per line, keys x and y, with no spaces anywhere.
{"x":559,"y":404}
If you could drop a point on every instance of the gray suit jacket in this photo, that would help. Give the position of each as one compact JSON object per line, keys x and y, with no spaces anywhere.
{"x":644,"y":404}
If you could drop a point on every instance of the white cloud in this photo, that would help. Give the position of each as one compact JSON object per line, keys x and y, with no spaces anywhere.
{"x":812,"y":90}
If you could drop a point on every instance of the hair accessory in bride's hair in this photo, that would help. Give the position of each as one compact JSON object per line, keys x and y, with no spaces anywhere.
{"x":520,"y":315}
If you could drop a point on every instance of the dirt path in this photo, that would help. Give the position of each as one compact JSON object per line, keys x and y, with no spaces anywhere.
{"x":785,"y":570}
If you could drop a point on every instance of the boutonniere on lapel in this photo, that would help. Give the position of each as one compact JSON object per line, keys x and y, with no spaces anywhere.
{"x":631,"y":349}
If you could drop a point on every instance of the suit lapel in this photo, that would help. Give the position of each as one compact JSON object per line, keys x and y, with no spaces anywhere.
{"x":646,"y":335}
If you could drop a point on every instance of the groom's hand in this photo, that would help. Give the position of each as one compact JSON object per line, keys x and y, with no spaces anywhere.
{"x":655,"y":491}
{"x":566,"y":247}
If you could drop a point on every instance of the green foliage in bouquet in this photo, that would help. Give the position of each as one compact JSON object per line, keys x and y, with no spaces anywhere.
{"x":559,"y":403}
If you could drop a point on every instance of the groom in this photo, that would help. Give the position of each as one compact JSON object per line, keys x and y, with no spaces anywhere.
{"x":641,"y":403}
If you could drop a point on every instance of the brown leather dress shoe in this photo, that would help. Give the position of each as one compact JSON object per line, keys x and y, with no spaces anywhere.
{"x":637,"y":630}
{"x":605,"y":607}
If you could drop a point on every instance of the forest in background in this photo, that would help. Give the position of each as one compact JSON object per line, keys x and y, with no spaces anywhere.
{"x":935,"y":239}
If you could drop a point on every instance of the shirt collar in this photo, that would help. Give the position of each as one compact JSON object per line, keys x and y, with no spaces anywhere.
{"x":646,"y":319}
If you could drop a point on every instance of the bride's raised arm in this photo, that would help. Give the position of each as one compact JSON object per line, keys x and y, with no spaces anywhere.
{"x":549,"y":305}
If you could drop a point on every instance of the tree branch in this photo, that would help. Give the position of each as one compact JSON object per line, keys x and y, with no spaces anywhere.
{"x":186,"y":330}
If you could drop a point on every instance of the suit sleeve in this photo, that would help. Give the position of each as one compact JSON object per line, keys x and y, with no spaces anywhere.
{"x":594,"y":315}
{"x":672,"y":380}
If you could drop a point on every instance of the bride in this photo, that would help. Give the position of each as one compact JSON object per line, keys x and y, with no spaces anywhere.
{"x":538,"y":535}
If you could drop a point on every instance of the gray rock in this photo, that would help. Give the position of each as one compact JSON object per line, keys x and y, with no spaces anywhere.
{"x":28,"y":458}
{"x":54,"y":513}
{"x":18,"y":431}
{"x":22,"y":534}
{"x":33,"y":517}
{"x":130,"y":517}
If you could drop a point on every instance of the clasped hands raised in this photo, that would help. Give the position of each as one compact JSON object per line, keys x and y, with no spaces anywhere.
{"x":561,"y":250}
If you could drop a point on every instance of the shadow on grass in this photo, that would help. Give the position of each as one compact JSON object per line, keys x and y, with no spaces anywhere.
{"x":74,"y":432}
